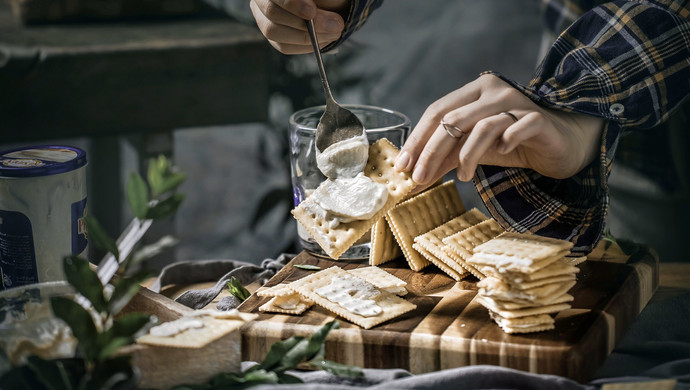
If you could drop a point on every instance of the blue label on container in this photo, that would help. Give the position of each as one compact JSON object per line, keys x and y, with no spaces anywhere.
{"x":17,"y":255}
{"x":79,"y":240}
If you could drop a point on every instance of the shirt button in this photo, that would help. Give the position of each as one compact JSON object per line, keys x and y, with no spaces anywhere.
{"x":616,"y":109}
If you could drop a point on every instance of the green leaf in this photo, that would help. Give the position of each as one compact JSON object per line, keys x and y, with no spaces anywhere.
{"x":122,"y":332}
{"x":337,"y":368}
{"x":170,"y":182}
{"x":125,"y":289}
{"x":21,"y":377}
{"x":99,"y":237}
{"x":237,"y":290}
{"x":294,"y":356}
{"x":50,"y":373}
{"x":308,"y":267}
{"x":81,"y":323}
{"x":317,"y":340}
{"x":155,"y":174}
{"x":151,"y":250}
{"x":138,"y":195}
{"x":260,"y":376}
{"x":80,"y":275}
{"x":166,"y":207}
{"x":276,"y":353}
{"x":163,"y":177}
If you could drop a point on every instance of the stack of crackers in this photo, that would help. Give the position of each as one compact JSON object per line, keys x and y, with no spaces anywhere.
{"x":298,"y":296}
{"x":433,"y":227}
{"x":527,"y":281}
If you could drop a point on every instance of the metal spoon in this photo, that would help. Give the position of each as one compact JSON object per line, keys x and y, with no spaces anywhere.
{"x":336,"y":123}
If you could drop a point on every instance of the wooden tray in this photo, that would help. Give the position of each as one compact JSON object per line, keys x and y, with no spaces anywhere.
{"x":450,"y":329}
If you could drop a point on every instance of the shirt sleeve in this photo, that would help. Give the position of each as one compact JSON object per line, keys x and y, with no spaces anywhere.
{"x":358,"y":14}
{"x":624,"y":61}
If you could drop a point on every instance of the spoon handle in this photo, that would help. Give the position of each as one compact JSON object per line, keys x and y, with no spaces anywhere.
{"x":319,"y":61}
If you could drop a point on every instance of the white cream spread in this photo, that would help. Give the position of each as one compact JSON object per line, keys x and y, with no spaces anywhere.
{"x":287,"y":302}
{"x":34,"y":330}
{"x":347,"y":195}
{"x":349,"y":199}
{"x":172,"y":328}
{"x":353,"y":294}
{"x":346,"y":158}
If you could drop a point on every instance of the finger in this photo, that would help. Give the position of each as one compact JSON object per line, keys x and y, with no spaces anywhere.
{"x":287,"y":29}
{"x":429,"y":122}
{"x":436,"y":150}
{"x":520,"y":132}
{"x":483,"y":136}
{"x":302,"y":9}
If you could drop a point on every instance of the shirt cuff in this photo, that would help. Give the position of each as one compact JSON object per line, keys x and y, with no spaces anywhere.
{"x":356,"y":17}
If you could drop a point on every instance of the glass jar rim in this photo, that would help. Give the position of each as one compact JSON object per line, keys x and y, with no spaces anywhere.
{"x":404,"y":120}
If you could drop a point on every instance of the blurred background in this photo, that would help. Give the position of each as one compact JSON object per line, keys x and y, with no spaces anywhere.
{"x":238,"y":193}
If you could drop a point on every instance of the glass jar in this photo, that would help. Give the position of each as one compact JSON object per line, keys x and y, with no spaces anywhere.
{"x":306,"y":176}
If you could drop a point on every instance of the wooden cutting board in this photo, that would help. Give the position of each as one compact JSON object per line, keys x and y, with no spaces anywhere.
{"x":450,"y":329}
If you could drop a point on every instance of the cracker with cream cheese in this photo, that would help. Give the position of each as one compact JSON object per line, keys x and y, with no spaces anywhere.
{"x":380,"y":168}
{"x":391,"y":305}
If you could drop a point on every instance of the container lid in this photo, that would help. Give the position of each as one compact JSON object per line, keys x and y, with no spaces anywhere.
{"x":42,"y":160}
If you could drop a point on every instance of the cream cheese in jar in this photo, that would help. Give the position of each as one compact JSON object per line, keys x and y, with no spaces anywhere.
{"x":42,"y":209}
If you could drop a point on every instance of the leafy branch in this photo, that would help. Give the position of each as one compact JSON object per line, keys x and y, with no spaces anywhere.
{"x":94,"y":314}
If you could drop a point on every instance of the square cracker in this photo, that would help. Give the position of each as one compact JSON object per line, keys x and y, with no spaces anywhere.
{"x":528,"y":324}
{"x":530,"y":248}
{"x":546,"y":309}
{"x":512,"y":329}
{"x":384,"y":248}
{"x":428,"y":251}
{"x":380,"y":168}
{"x":499,"y":289}
{"x":212,"y":330}
{"x":511,"y":263}
{"x":516,"y":305}
{"x":272,"y":305}
{"x":430,"y":244}
{"x":279,"y":290}
{"x":392,"y":305}
{"x":420,"y":214}
{"x":459,"y":246}
{"x":553,"y":270}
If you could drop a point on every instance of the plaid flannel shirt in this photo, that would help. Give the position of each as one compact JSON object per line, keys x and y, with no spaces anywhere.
{"x":627,"y":61}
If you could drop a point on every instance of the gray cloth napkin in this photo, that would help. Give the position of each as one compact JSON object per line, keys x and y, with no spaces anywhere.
{"x":220,"y":271}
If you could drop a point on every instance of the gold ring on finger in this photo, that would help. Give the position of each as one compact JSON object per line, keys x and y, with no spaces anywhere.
{"x":452,"y":130}
{"x":511,"y":115}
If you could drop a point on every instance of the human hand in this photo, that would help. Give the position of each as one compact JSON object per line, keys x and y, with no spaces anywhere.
{"x":282,"y":22}
{"x":555,"y":143}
